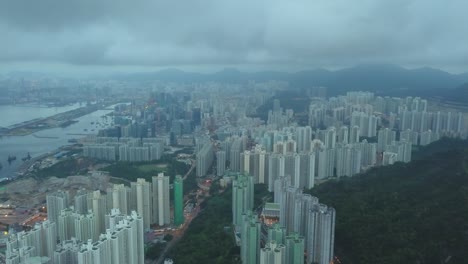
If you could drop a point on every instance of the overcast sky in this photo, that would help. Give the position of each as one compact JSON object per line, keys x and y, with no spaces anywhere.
{"x":249,"y":34}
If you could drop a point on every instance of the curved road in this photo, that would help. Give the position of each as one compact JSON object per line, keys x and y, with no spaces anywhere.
{"x":179,"y":233}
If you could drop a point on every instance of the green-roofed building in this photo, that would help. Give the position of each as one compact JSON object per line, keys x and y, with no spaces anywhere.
{"x":277,"y":233}
{"x":294,"y":249}
{"x":242,"y":197}
{"x":178,"y":200}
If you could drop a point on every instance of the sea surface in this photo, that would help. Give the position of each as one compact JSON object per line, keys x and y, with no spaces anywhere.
{"x":15,"y":114}
{"x":48,"y":140}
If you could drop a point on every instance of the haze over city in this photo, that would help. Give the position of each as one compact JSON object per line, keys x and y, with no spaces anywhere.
{"x":233,"y":132}
{"x":107,"y":36}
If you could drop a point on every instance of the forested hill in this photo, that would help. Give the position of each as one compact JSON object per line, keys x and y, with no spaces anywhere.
{"x":405,"y":213}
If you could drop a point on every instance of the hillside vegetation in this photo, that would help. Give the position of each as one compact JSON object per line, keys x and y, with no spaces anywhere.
{"x":405,"y":213}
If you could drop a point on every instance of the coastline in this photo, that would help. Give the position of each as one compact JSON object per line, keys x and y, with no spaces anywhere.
{"x":48,"y":141}
{"x":58,"y":120}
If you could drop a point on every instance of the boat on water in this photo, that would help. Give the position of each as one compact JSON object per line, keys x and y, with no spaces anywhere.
{"x":11,"y":158}
{"x":28,"y":157}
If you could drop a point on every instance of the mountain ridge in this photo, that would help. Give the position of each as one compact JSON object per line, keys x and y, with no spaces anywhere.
{"x":384,"y":79}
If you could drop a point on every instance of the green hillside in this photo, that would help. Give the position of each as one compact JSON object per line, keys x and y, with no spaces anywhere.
{"x":405,"y":213}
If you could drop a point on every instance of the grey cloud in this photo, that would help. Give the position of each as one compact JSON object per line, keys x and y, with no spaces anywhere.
{"x":300,"y":33}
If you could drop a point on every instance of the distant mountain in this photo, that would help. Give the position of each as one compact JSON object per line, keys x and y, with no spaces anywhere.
{"x":459,"y":94}
{"x":384,"y":79}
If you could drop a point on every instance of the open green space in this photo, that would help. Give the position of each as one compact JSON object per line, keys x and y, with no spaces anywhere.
{"x":153,"y":167}
{"x":131,"y":171}
{"x":404,"y":213}
{"x":206,"y":240}
{"x":66,"y":167}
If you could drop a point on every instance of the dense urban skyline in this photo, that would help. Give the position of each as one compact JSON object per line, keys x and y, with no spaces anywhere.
{"x":233,"y":132}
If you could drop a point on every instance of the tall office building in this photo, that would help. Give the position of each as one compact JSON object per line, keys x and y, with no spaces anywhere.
{"x":56,"y":202}
{"x":178,"y":200}
{"x":143,"y":197}
{"x":161,"y":210}
{"x":294,"y":249}
{"x":242,"y":197}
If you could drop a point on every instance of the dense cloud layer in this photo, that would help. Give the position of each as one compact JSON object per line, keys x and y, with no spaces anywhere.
{"x":291,"y":33}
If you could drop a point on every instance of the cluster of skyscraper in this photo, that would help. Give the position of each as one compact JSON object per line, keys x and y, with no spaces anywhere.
{"x":339,"y":140}
{"x":124,"y":149}
{"x":298,"y":152}
{"x":99,"y":228}
{"x":121,"y":242}
{"x":305,"y":226}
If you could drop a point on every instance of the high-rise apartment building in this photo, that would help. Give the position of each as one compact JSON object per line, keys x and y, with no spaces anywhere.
{"x":143,"y":196}
{"x":178,"y":200}
{"x":320,"y":235}
{"x":81,"y":201}
{"x":56,"y":202}
{"x":220,"y":163}
{"x":118,"y":197}
{"x":273,"y":253}
{"x":250,"y":238}
{"x":98,"y":203}
{"x":294,"y":249}
{"x":205,"y":159}
{"x":242,"y":197}
{"x":161,"y":209}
